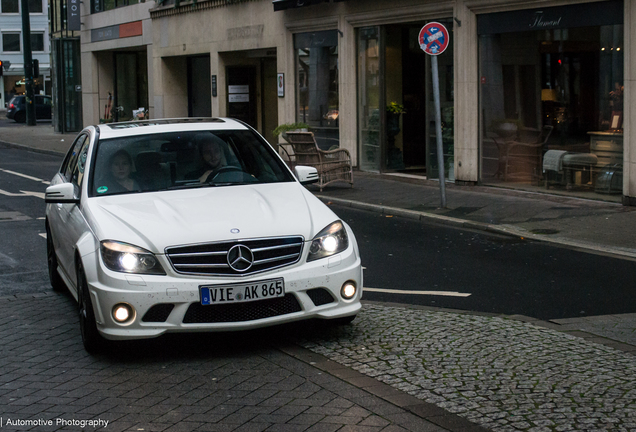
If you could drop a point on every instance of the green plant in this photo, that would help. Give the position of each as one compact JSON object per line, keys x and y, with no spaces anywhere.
{"x":395,"y":108}
{"x":288,"y":127}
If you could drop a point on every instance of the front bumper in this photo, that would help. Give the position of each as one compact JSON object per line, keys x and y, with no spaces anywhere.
{"x":151,"y":296}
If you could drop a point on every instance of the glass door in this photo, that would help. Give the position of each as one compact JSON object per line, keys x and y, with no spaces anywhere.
{"x":370,"y":99}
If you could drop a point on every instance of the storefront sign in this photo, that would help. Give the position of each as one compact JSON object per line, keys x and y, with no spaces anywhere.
{"x":105,"y":33}
{"x":433,"y":38}
{"x":579,"y":15}
{"x":247,"y":32}
{"x":73,"y":22}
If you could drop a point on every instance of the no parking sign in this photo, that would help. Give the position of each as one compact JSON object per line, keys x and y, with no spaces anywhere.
{"x":433,"y":38}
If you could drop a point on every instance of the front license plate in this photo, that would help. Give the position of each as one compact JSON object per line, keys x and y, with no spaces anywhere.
{"x":242,"y":292}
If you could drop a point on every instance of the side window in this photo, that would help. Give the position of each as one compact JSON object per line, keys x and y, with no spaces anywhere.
{"x":71,"y":158}
{"x":78,"y":171}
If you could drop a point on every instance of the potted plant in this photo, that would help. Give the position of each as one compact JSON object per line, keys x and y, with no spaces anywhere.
{"x":393,"y":111}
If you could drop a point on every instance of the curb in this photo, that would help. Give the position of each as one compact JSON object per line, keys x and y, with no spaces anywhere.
{"x":508,"y":230}
{"x":425,"y":410}
{"x":32,"y":149}
{"x":551,"y":325}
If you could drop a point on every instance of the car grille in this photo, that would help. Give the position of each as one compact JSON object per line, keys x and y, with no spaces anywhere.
{"x":212,"y":258}
{"x":158,"y":313}
{"x":238,"y":312}
{"x":320,"y":296}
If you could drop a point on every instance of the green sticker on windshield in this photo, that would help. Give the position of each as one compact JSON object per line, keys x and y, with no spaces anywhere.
{"x":102,"y":189}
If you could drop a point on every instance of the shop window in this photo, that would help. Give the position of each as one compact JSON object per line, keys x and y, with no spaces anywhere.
{"x":10,"y":6}
{"x":552,"y":99}
{"x":11,"y":42}
{"x":317,"y":85}
{"x":396,"y":110}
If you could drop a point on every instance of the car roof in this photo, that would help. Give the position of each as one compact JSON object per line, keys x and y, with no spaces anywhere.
{"x":145,"y":127}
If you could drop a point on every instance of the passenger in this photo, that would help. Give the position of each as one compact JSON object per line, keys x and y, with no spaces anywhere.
{"x":119,"y":176}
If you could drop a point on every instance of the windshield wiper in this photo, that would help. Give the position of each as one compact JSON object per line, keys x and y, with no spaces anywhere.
{"x":192,"y":185}
{"x":231,"y":183}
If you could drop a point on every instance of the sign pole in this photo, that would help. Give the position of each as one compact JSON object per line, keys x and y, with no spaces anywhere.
{"x":438,"y":131}
{"x":434,"y":40}
{"x":28,"y":64}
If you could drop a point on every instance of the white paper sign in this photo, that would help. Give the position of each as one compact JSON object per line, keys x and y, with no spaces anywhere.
{"x":239,"y":98}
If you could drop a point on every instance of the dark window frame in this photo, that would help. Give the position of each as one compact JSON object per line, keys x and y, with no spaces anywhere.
{"x":17,"y":6}
{"x":4,"y":43}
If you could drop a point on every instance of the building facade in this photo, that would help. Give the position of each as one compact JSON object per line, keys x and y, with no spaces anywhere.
{"x":12,"y":50}
{"x":533,"y":95}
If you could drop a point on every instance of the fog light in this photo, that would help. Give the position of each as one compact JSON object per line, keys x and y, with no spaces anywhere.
{"x":123,"y":312}
{"x":348,"y":290}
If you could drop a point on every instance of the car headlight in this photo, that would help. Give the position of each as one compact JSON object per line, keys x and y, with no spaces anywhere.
{"x":329,"y":241}
{"x":122,"y":257}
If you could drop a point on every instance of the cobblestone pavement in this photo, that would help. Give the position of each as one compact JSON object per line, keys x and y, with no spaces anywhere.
{"x":618,"y":327}
{"x":503,"y":374}
{"x":201,"y":382}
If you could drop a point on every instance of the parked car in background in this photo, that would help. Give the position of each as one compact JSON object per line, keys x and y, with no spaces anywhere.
{"x":185,"y":225}
{"x":16,"y":109}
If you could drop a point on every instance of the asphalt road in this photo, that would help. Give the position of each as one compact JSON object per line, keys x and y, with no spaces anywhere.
{"x":502,"y":274}
{"x":473,"y":271}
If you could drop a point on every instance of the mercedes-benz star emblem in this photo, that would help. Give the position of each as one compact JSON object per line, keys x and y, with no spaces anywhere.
{"x":240,"y":258}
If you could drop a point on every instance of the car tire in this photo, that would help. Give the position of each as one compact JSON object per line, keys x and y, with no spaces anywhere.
{"x":20,"y":117}
{"x":57,"y":283}
{"x":92,"y":340}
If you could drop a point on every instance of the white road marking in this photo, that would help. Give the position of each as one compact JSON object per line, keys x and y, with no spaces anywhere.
{"x":35,"y":194}
{"x":43,"y":235}
{"x":23,"y":193}
{"x":4,"y":192}
{"x":435,"y":293}
{"x":25,"y":176}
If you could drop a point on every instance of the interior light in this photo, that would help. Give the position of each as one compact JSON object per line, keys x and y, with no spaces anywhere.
{"x":618,"y":49}
{"x":603,"y":49}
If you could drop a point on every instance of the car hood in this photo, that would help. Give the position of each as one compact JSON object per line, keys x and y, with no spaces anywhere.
{"x":158,"y":220}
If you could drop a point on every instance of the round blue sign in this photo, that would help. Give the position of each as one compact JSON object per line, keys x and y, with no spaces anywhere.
{"x":433,"y":38}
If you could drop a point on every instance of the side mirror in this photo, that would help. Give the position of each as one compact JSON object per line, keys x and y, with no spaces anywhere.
{"x":306,"y":175}
{"x":63,"y":193}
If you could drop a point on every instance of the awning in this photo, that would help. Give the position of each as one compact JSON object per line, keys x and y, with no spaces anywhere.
{"x":288,"y":4}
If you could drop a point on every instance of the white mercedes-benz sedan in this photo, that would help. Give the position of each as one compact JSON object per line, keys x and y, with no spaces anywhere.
{"x":184,"y":225}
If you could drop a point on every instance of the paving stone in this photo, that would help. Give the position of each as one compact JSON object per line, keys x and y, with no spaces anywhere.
{"x":485,"y":368}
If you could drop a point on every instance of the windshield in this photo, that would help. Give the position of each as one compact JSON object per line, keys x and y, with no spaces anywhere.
{"x":178,"y":160}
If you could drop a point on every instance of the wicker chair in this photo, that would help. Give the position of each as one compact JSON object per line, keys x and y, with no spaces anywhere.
{"x":526,"y":154}
{"x":332,"y":165}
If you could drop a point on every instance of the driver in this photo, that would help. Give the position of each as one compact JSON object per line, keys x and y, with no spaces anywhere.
{"x":213,"y":157}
